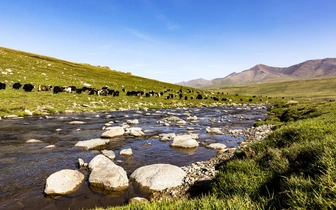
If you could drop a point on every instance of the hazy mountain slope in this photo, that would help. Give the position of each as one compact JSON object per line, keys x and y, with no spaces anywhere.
{"x":262,"y":73}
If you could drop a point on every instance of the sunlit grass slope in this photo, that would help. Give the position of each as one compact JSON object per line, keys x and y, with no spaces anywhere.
{"x":323,"y":88}
{"x":17,"y":66}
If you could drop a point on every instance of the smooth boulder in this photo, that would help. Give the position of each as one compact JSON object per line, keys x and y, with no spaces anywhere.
{"x":63,"y":182}
{"x":185,"y":141}
{"x":113,"y":131}
{"x":107,"y":175}
{"x":92,"y":143}
{"x":158,"y":177}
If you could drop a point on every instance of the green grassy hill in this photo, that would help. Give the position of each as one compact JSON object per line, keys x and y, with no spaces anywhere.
{"x":323,"y":88}
{"x":23,"y":67}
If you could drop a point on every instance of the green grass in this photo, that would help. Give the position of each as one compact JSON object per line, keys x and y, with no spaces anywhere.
{"x":36,"y":69}
{"x":312,"y":89}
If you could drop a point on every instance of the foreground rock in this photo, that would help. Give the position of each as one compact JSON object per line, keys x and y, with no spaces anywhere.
{"x":158,"y":177}
{"x":63,"y":182}
{"x":113,"y":131}
{"x":107,"y":175}
{"x":93,"y":143}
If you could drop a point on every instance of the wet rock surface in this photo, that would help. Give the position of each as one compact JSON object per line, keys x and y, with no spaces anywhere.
{"x":19,"y":160}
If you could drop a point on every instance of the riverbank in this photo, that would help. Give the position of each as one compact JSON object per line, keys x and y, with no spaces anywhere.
{"x":292,"y":168}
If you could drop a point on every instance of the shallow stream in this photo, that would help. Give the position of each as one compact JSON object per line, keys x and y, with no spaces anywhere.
{"x":24,"y":167}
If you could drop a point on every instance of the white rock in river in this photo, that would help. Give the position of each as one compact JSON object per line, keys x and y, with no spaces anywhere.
{"x":90,"y":144}
{"x":217,"y":146}
{"x":77,"y":123}
{"x":34,"y":141}
{"x":184,"y":141}
{"x":113,"y":131}
{"x":167,"y":136}
{"x":126,"y":152}
{"x":109,"y":153}
{"x":135,"y":131}
{"x":63,"y":182}
{"x":133,"y":121}
{"x":158,"y":177}
{"x":214,"y":130}
{"x":107,"y":175}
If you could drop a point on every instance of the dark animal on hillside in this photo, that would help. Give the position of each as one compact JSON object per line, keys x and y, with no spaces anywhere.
{"x":199,"y":97}
{"x":44,"y":87}
{"x":17,"y":85}
{"x":180,"y":95}
{"x":28,"y":87}
{"x":57,"y":89}
{"x":2,"y":85}
{"x":93,"y":91}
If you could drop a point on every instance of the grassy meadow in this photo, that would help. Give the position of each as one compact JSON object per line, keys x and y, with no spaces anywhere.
{"x":293,"y":168}
{"x":312,"y":89}
{"x":17,"y":66}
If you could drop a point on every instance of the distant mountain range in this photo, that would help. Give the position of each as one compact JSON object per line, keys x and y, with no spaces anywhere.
{"x":261,"y":74}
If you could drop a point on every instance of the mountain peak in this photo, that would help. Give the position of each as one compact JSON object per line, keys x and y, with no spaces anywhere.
{"x":262,"y":73}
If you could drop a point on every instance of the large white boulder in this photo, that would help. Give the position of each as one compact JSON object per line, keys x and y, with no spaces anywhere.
{"x":107,"y":175}
{"x":113,"y":131}
{"x":63,"y":182}
{"x":92,"y":143}
{"x":158,"y":177}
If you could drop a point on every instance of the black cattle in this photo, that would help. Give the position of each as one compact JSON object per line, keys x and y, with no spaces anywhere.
{"x":28,"y":87}
{"x":44,"y":87}
{"x":199,"y":97}
{"x":79,"y":90}
{"x":57,"y":89}
{"x":2,"y":85}
{"x":93,"y":91}
{"x":17,"y":85}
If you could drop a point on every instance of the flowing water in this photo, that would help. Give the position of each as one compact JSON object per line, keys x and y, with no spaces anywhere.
{"x":24,"y":167}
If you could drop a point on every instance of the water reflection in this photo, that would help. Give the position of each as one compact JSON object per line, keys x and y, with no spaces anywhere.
{"x":25,"y":167}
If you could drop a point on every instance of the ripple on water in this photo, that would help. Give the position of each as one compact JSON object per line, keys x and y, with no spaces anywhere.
{"x":24,"y":167}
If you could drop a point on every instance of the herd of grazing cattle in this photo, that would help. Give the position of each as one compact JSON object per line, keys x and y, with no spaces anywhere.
{"x":105,"y":91}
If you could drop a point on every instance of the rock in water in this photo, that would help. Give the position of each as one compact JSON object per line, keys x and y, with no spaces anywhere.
{"x":63,"y":182}
{"x":107,"y":175}
{"x":158,"y":177}
{"x":113,"y":131}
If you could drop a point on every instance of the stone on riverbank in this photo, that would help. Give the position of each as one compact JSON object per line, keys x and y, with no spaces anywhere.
{"x":107,"y":175}
{"x":158,"y":177}
{"x":63,"y":182}
{"x":113,"y":131}
{"x":93,"y":143}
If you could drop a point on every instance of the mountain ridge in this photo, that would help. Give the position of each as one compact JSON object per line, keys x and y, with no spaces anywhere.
{"x":262,"y":73}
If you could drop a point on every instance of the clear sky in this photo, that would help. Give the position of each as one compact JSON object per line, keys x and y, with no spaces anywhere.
{"x":172,"y":40}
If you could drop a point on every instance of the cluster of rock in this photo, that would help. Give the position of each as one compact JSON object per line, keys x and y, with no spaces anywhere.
{"x":159,"y":180}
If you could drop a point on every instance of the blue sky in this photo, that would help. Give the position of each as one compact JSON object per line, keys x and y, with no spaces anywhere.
{"x":172,"y":40}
